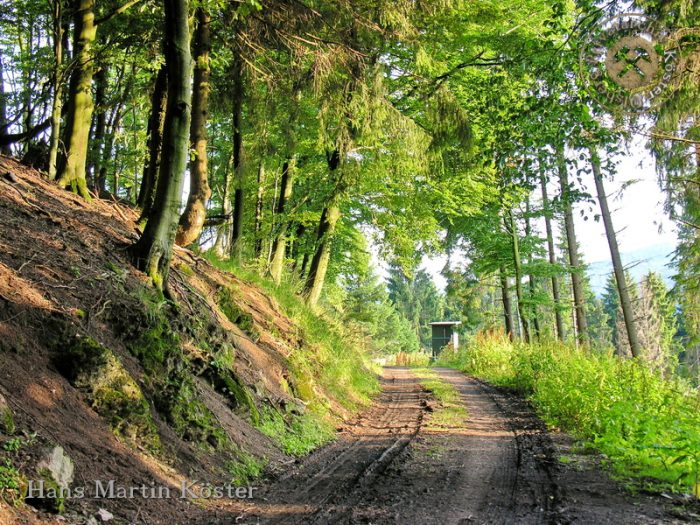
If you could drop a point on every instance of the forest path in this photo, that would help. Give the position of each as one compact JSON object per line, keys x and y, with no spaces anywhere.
{"x":394,"y":466}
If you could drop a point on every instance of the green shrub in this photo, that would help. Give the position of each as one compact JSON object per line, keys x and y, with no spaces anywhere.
{"x":647,"y":425}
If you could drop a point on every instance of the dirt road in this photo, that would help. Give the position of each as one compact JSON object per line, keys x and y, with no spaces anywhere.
{"x":497,"y":466}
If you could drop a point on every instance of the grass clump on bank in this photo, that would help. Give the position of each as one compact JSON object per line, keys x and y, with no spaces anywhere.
{"x":646,"y":424}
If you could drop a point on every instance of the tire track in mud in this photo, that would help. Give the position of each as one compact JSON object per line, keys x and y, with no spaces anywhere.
{"x":333,"y":476}
{"x":396,"y":465}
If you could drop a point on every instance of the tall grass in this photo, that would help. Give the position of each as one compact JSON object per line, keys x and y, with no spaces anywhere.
{"x":647,"y":425}
{"x":421,"y":359}
{"x":329,"y":370}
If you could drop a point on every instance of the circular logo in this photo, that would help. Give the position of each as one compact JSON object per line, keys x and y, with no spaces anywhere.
{"x":624,"y":63}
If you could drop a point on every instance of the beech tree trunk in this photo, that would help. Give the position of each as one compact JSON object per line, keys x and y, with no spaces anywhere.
{"x":112,"y":129}
{"x":531,"y":279}
{"x":72,"y":172}
{"x":559,"y":318}
{"x":223,"y":236}
{"x":259,"y":210}
{"x":195,"y":213}
{"x":4,"y":148}
{"x":58,"y":34}
{"x":238,"y":171}
{"x":153,"y":251}
{"x":298,"y":239}
{"x":505,"y":299}
{"x":280,"y":242}
{"x":572,"y":246}
{"x":156,"y":121}
{"x":100,"y":130}
{"x":522,"y":310}
{"x":618,"y":269}
{"x":326,"y":229}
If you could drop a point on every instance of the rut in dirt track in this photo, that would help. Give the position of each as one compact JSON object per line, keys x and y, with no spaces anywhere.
{"x":371,"y":475}
{"x":394,"y":466}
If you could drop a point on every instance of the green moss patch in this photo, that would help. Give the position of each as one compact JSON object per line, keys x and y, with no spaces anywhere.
{"x":296,"y":434}
{"x":109,"y":388}
{"x":226,"y":300}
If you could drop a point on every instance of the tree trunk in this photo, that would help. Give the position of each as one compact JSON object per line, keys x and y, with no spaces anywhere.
{"x":319,"y":262}
{"x":4,"y":128}
{"x":298,"y":237}
{"x":280,"y":242}
{"x":259,"y":210}
{"x":192,"y":219}
{"x":72,"y":172}
{"x":153,"y":251}
{"x":531,"y":278}
{"x":507,"y":307}
{"x":224,"y":234}
{"x":238,"y":175}
{"x":326,"y":229}
{"x":113,"y":124}
{"x":100,"y":129}
{"x":522,"y":310}
{"x":60,"y":52}
{"x":572,"y":246}
{"x":156,"y":122}
{"x":559,"y":318}
{"x":26,"y":50}
{"x":625,"y":301}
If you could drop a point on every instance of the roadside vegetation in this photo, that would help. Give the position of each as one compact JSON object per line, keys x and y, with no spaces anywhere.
{"x":333,"y":367}
{"x":645,"y":422}
{"x":451,"y":412}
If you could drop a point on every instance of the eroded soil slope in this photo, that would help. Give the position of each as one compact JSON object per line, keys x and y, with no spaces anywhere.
{"x":133,"y":389}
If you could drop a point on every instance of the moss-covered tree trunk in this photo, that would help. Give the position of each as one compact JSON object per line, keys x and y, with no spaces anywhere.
{"x":618,"y":268}
{"x":72,"y":172}
{"x":326,"y":229}
{"x":153,"y":251}
{"x":156,"y":121}
{"x":238,"y":169}
{"x":195,"y":213}
{"x":552,"y":254}
{"x":572,"y":247}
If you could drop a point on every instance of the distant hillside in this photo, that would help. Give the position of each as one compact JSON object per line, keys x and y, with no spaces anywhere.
{"x":657,"y":258}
